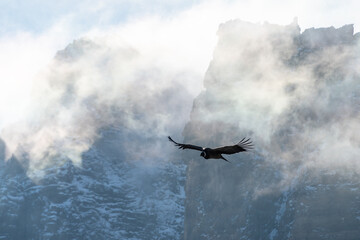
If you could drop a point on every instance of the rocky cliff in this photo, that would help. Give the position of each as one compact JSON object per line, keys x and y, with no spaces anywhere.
{"x":297,"y":96}
{"x":90,"y":162}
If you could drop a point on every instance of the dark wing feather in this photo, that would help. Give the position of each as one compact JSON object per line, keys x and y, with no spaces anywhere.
{"x":186,"y":146}
{"x":242,"y":146}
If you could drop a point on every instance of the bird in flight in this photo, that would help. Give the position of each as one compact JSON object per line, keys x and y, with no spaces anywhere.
{"x":215,"y":153}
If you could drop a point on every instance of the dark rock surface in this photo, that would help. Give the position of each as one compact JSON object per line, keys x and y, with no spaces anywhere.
{"x":297,"y":95}
{"x":290,"y":92}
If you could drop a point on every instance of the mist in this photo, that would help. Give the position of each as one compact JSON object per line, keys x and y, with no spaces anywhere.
{"x":143,"y":75}
{"x":91,"y":86}
{"x":295,"y":94}
{"x":90,"y":91}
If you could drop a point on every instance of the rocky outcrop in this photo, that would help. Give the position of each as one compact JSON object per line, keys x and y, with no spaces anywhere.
{"x":103,"y":171}
{"x":88,"y":164}
{"x":107,"y":198}
{"x":297,"y":96}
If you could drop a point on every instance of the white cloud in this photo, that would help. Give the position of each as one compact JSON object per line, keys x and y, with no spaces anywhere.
{"x":173,"y":51}
{"x":23,"y":56}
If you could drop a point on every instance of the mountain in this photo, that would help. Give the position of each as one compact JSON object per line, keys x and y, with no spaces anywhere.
{"x":90,"y":163}
{"x":297,"y":96}
{"x":93,"y":160}
{"x":107,"y":198}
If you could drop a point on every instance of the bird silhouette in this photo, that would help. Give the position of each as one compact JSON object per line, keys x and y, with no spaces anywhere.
{"x":216,"y":153}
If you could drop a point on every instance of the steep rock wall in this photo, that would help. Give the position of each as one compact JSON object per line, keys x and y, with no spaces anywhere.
{"x":297,"y":96}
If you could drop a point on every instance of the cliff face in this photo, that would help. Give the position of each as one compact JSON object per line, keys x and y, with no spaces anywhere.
{"x":297,"y":96}
{"x":107,"y":198}
{"x":91,"y":163}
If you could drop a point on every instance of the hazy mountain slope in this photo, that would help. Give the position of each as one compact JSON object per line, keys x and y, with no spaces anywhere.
{"x":90,"y":163}
{"x":107,"y":198}
{"x":297,"y":96}
{"x":93,"y":161}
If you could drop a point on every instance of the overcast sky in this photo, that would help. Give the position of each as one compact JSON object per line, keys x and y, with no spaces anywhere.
{"x":39,"y":15}
{"x":31,"y":32}
{"x":178,"y":37}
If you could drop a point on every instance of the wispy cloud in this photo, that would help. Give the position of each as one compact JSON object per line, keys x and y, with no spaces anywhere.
{"x":296,"y":96}
{"x":148,"y":66}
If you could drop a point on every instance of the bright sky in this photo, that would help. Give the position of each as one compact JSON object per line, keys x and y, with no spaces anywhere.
{"x":175,"y":36}
{"x":39,"y":15}
{"x":31,"y":32}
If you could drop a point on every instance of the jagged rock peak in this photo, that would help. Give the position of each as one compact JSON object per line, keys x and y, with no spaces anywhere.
{"x":322,"y":37}
{"x":311,"y":38}
{"x":242,"y":26}
{"x":75,"y":50}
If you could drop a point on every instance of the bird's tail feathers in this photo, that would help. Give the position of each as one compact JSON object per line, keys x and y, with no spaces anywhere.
{"x":225,"y":159}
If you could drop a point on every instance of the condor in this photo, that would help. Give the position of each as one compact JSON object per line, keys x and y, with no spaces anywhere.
{"x":216,"y":153}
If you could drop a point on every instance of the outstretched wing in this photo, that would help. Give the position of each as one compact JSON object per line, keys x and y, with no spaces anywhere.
{"x":186,"y":146}
{"x":242,"y":146}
